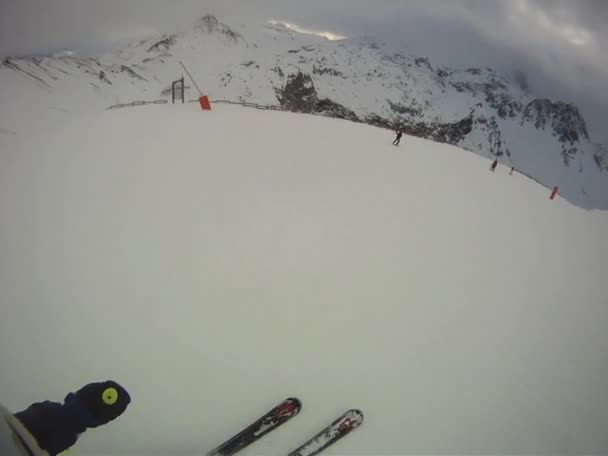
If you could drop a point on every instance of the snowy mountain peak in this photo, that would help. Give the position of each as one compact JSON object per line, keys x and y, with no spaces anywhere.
{"x":209,"y":24}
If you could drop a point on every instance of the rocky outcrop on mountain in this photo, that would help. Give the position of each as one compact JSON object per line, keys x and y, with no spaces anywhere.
{"x":505,"y":104}
{"x":444,"y":132}
{"x":601,"y":157}
{"x":329,"y":108}
{"x":379,"y":121}
{"x":10,"y":63}
{"x":211,"y":25}
{"x":404,"y":110}
{"x":450,"y":133}
{"x":131,"y":72}
{"x":565,"y":119}
{"x":165,"y":43}
{"x":320,"y":70}
{"x":566,"y":123}
{"x":490,"y":130}
{"x":298,"y":94}
{"x":103,"y":77}
{"x":423,"y":62}
{"x":492,"y":88}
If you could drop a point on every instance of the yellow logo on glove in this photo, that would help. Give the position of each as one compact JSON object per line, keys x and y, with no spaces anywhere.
{"x":110,"y":396}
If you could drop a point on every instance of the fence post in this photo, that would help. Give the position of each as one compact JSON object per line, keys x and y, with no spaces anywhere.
{"x":174,"y":86}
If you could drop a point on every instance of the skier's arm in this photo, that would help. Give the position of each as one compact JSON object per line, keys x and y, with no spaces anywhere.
{"x":56,"y":427}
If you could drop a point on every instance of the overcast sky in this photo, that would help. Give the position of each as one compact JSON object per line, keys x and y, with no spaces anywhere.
{"x":558,"y":43}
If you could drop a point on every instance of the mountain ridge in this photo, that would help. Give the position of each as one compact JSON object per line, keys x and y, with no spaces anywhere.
{"x":356,"y":79}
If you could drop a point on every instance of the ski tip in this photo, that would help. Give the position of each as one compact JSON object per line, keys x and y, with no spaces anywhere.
{"x":297,"y":402}
{"x":355,"y":414}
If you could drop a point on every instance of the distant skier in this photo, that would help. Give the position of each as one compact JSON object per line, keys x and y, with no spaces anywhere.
{"x":511,"y":172}
{"x":494,"y":165}
{"x":48,"y":428}
{"x":398,"y":138}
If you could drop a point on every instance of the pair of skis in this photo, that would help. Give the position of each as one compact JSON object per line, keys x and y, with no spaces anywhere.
{"x":282,"y":413}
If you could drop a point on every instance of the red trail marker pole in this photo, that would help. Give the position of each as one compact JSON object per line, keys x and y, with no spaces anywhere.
{"x":205,"y":103}
{"x":553,"y":193}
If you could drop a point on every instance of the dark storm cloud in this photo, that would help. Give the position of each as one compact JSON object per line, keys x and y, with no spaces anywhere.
{"x":560,"y":43}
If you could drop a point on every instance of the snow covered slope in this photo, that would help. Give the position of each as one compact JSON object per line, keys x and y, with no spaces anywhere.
{"x":218,"y":262}
{"x":357,"y":78}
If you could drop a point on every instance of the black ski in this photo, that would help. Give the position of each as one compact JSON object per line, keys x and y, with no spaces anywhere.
{"x":273,"y":419}
{"x":346,"y":423}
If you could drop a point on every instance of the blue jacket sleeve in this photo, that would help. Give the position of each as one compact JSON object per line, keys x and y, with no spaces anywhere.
{"x":55,"y":426}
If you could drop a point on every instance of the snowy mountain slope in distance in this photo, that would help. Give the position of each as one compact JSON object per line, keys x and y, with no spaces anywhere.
{"x":359,"y":79}
{"x":218,"y":262}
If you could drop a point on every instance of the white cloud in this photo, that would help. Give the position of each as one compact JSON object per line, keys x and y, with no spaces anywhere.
{"x":296,"y":28}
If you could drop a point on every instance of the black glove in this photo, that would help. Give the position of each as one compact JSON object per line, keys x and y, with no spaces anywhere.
{"x":56,"y":426}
